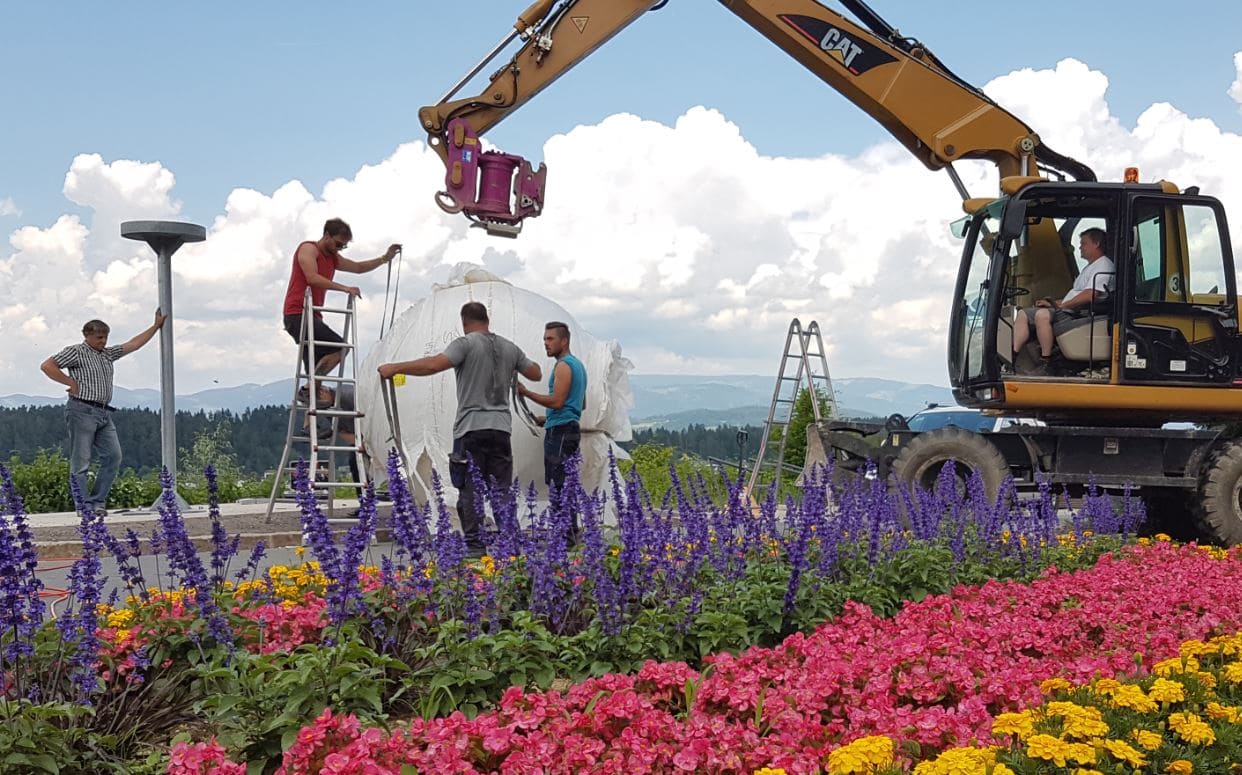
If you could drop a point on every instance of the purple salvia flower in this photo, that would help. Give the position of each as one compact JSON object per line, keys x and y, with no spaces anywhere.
{"x":411,"y":536}
{"x":184,"y":563}
{"x":315,"y":528}
{"x":252,"y":564}
{"x":29,"y":611}
{"x":448,"y":544}
{"x":222,"y":548}
{"x":344,"y":593}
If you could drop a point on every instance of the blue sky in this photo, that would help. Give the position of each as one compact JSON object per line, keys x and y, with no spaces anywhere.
{"x":253,"y":94}
{"x":744,"y":193}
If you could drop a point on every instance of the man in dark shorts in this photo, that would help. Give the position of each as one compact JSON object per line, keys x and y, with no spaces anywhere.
{"x":1095,"y":280}
{"x":314,"y":264}
{"x":484,"y":364}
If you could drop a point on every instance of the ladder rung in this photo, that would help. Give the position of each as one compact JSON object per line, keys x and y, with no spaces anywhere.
{"x":341,"y":310}
{"x":335,"y":448}
{"x":327,"y":377}
{"x":325,"y":485}
{"x":335,"y":412}
{"x":342,"y":345}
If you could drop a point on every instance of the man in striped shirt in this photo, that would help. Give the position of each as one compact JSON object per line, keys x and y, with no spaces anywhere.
{"x":88,"y":413}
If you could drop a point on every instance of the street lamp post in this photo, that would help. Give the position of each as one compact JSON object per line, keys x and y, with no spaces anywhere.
{"x":165,"y":238}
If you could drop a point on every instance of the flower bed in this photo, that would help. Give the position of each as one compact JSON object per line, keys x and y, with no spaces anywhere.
{"x":632,"y":614}
{"x":941,"y":674}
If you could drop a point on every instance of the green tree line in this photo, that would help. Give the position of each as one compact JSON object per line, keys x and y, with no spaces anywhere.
{"x":256,"y":436}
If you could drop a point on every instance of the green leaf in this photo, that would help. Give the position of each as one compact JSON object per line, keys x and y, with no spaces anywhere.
{"x":289,"y":737}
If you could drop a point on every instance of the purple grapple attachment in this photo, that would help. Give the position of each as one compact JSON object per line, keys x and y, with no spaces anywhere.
{"x":495,"y":190}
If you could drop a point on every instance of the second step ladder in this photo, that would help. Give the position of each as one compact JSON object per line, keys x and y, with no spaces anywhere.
{"x":804,"y":367}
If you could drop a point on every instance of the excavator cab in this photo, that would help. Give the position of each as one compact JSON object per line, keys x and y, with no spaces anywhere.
{"x":1165,"y":318}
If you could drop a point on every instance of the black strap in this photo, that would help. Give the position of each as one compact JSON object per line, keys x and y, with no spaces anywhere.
{"x":96,"y":404}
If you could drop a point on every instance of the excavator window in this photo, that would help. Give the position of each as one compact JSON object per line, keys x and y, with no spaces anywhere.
{"x":1178,"y":255}
{"x":1182,"y":292}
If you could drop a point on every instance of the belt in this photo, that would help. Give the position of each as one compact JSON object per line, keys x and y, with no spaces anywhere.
{"x":96,"y":404}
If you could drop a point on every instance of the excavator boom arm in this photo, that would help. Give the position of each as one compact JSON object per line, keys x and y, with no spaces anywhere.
{"x":938,"y":117}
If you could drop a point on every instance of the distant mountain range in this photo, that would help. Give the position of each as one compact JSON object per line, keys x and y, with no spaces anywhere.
{"x":675,"y":401}
{"x":660,"y":400}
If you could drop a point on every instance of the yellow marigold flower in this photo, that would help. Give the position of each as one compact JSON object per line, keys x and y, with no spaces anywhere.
{"x":121,"y":618}
{"x":1081,"y":753}
{"x":1223,"y":712}
{"x":1146,"y":739}
{"x":1144,"y":541}
{"x":1164,"y":690}
{"x":121,"y":636}
{"x":862,"y":756}
{"x":1175,"y":666}
{"x":1077,"y":721}
{"x":1192,"y":729}
{"x":1106,"y":686}
{"x":1206,"y":680}
{"x":1180,"y":767}
{"x":1085,"y":771}
{"x":956,"y":761}
{"x":1048,"y":748}
{"x":1020,"y":724}
{"x":1133,"y":698}
{"x":1124,"y":752}
{"x":1233,"y":672}
{"x":1163,"y":537}
{"x":770,"y":771}
{"x":429,"y":570}
{"x":300,"y":551}
{"x":1197,"y":648}
{"x":1050,"y":685}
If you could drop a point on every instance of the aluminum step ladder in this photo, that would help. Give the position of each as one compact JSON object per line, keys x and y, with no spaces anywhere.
{"x":804,"y":366}
{"x":304,"y":416}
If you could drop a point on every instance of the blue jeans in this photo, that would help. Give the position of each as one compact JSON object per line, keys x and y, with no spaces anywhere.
{"x":91,"y":433}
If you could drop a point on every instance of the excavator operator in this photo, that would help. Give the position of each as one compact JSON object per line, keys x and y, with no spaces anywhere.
{"x":1094,"y":281}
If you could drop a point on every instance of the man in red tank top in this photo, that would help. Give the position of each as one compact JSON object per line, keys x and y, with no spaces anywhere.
{"x":314,"y":265}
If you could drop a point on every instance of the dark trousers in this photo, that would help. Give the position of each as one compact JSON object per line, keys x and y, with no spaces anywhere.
{"x":493,"y":456}
{"x":560,"y":443}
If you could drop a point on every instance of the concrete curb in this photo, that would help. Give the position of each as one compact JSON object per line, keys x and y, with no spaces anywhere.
{"x":62,"y":541}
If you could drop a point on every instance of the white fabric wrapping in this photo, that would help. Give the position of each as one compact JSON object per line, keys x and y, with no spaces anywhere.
{"x":426,"y":406}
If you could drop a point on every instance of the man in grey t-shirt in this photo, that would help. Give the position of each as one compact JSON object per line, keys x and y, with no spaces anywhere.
{"x":485,"y":364}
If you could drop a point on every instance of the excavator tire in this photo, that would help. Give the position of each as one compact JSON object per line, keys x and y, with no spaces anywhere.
{"x":1219,"y":506}
{"x":919,"y":464}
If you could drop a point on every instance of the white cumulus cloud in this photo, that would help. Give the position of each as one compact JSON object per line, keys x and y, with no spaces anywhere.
{"x":683,"y":242}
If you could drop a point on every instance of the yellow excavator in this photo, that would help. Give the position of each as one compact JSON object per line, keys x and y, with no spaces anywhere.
{"x":1143,"y":382}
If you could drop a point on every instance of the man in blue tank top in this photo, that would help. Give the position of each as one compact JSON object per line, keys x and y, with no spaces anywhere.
{"x":565,"y":401}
